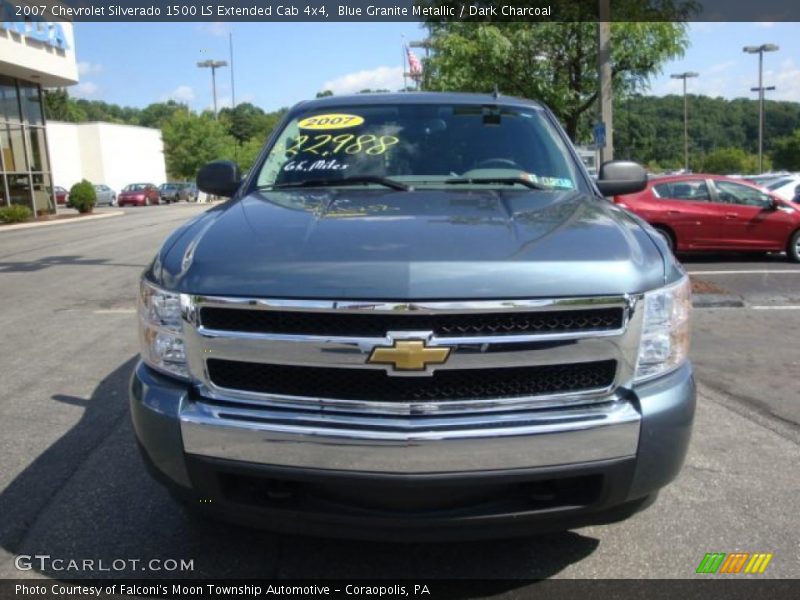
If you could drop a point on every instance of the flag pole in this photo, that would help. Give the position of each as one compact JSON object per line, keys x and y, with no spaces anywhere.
{"x":403,"y":52}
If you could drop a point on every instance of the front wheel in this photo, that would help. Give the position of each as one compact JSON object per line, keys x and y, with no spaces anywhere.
{"x":793,"y":250}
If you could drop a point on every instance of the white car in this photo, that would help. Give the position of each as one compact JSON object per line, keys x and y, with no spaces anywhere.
{"x":105,"y":195}
{"x":785,"y":187}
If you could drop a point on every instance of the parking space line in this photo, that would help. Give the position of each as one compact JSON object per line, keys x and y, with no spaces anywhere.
{"x":786,"y":307}
{"x":748,"y":272}
{"x":115,"y":311}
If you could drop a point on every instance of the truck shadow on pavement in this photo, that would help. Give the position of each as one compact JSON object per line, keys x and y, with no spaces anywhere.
{"x":59,"y":261}
{"x":88,"y":497}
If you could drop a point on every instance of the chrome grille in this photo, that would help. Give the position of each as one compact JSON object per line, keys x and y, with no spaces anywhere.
{"x":505,"y":355}
{"x":456,"y":325}
{"x":442,"y":386}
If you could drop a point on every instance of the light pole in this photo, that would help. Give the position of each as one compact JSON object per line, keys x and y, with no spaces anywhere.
{"x":685,"y":76}
{"x":213,"y":65}
{"x":760,"y":51}
{"x":762,"y":116}
{"x":605,"y":91}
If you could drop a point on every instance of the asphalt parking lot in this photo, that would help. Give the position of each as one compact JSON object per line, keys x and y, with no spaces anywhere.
{"x":73,"y":484}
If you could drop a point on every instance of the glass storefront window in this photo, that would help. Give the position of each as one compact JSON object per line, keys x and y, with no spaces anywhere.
{"x":31,"y":102}
{"x":9,"y":102}
{"x":24,"y":166}
{"x":19,"y":188}
{"x":36,"y":142}
{"x":13,"y":148}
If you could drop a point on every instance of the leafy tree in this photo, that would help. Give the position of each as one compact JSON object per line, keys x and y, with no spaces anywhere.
{"x":246,"y":120}
{"x":324,"y":94}
{"x":248,"y":153}
{"x":731,"y":160}
{"x":787,"y":152}
{"x":190,"y":141}
{"x":58,"y":106}
{"x":552,"y":62}
{"x":155,"y":115}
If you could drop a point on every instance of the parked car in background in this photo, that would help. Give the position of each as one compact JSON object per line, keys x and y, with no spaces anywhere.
{"x":189,"y":192}
{"x":711,"y":212}
{"x":785,"y":187}
{"x":139,"y":194}
{"x":764,"y":179}
{"x":105,"y":195}
{"x":61,"y":194}
{"x":796,"y":198}
{"x":170,"y":192}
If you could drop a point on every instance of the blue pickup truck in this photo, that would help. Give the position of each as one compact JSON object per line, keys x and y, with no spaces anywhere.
{"x":416,"y":318}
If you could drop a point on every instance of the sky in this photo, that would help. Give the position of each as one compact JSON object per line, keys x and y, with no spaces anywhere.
{"x":279,"y":64}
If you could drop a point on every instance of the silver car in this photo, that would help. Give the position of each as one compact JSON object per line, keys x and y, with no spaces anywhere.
{"x":105,"y":195}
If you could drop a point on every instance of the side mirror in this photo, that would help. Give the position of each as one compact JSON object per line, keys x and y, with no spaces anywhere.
{"x":219,"y":178}
{"x":619,"y":177}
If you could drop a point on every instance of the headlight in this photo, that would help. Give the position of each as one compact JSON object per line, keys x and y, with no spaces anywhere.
{"x":665,"y":329}
{"x":160,"y":330}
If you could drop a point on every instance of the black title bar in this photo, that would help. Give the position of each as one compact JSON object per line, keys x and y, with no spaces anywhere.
{"x":396,"y":10}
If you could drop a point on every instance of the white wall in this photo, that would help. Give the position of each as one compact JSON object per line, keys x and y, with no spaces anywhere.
{"x":115,"y":155}
{"x":65,"y":153}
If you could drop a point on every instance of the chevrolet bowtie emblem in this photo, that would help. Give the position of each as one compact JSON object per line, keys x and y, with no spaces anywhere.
{"x":411,"y":355}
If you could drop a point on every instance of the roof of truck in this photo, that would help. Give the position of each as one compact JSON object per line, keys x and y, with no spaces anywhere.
{"x":416,"y":98}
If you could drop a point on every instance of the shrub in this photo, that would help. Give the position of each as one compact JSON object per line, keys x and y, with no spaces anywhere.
{"x":16,"y":213}
{"x":82,"y":196}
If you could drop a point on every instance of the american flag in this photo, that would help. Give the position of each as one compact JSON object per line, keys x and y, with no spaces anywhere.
{"x":414,"y":65}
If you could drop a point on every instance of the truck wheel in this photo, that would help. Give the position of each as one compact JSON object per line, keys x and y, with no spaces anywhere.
{"x":793,"y":250}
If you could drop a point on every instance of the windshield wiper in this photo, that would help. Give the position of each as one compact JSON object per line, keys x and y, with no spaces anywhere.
{"x":501,"y":180}
{"x":356,"y":180}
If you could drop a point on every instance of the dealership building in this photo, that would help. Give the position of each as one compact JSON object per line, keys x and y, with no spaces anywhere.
{"x":35,"y":156}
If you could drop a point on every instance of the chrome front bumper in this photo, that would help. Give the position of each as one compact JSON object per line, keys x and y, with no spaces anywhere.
{"x":630,"y":447}
{"x":423,"y":437}
{"x":412,"y":446}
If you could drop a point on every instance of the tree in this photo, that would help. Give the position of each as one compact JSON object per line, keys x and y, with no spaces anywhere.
{"x":731,"y":161}
{"x":248,"y":153}
{"x":324,"y":94}
{"x":158,"y":113}
{"x":787,"y":152}
{"x":58,"y":106}
{"x":247,"y":120}
{"x":190,"y":141}
{"x":552,"y":62}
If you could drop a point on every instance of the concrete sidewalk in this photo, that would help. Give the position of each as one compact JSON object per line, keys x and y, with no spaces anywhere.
{"x":61,"y":221}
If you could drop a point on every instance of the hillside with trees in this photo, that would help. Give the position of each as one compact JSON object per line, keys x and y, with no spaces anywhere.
{"x":723,"y":133}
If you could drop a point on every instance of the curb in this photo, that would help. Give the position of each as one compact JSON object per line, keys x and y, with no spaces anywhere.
{"x":716,"y":301}
{"x":60,"y":221}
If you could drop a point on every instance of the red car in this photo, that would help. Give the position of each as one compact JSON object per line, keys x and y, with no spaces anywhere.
{"x":139,"y":194}
{"x":62,"y":195}
{"x":712,"y":213}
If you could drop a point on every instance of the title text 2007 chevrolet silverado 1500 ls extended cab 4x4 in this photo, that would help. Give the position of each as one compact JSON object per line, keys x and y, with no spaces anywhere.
{"x":416,"y":318}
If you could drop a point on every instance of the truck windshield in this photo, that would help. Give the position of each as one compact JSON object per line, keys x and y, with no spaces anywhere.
{"x":422,"y":145}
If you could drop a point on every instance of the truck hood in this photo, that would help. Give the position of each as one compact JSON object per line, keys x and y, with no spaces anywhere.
{"x":426,"y":244}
